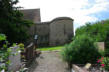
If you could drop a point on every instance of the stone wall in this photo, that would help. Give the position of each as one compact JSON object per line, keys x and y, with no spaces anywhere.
{"x":56,"y":32}
{"x":42,"y":30}
{"x":61,"y":31}
{"x":34,"y":16}
{"x":31,"y":14}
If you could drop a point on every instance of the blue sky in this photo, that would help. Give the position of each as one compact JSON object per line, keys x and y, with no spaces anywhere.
{"x":81,"y":11}
{"x":101,"y":15}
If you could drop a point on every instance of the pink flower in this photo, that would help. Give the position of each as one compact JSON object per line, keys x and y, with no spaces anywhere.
{"x":102,"y":65}
{"x":99,"y":61}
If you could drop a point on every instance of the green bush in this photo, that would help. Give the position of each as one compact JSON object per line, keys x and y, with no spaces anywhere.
{"x":99,"y":31}
{"x":105,"y":61}
{"x":81,"y":51}
{"x":67,"y":53}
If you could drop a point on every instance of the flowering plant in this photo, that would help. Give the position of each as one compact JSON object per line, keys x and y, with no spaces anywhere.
{"x":104,"y":62}
{"x":4,"y":53}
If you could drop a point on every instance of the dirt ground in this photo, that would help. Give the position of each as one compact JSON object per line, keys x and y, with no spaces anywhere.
{"x":49,"y":62}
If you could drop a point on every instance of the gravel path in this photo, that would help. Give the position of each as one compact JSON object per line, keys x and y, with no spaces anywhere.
{"x":49,"y":62}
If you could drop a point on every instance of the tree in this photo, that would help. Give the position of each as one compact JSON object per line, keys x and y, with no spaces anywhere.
{"x":99,"y":31}
{"x":11,"y":22}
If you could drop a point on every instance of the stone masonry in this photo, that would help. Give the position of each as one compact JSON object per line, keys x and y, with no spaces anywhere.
{"x":59,"y":31}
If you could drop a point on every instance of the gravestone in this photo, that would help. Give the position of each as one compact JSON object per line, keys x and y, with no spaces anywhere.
{"x":78,"y":69}
{"x":15,"y":60}
{"x":101,"y":46}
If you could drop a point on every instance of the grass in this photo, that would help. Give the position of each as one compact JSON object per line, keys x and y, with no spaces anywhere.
{"x":51,"y":48}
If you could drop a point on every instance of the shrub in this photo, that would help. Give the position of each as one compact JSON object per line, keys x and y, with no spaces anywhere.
{"x":21,"y":45}
{"x":67,"y":53}
{"x":81,"y":51}
{"x":104,"y":62}
{"x":4,"y":52}
{"x":99,"y":31}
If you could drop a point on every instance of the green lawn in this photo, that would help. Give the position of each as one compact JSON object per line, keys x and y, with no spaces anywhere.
{"x":51,"y":48}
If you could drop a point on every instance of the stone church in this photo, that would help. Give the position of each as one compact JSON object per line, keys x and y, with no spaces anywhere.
{"x":59,"y":31}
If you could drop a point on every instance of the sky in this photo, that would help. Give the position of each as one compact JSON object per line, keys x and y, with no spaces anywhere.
{"x":82,"y":11}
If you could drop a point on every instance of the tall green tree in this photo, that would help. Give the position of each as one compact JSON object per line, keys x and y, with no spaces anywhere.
{"x":99,"y":31}
{"x":12,"y":23}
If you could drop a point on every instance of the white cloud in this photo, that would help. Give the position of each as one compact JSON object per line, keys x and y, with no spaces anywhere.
{"x":79,"y":10}
{"x":54,"y":8}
